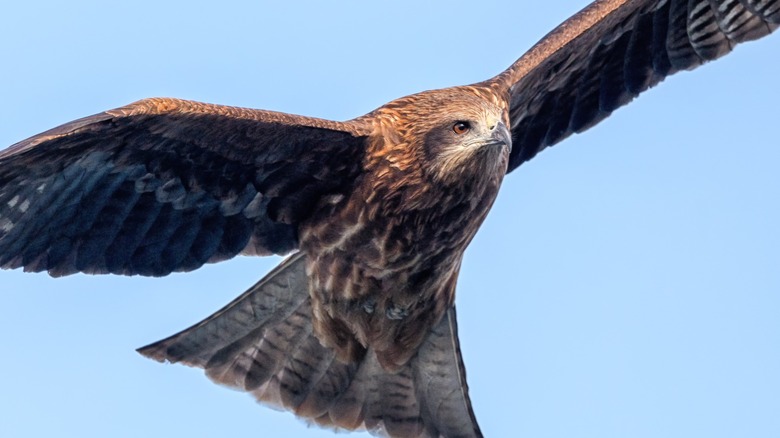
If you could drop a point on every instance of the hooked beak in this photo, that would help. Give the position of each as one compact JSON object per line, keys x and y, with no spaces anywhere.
{"x":500,"y":135}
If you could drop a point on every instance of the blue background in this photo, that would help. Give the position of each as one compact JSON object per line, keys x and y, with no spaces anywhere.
{"x":626,"y":283}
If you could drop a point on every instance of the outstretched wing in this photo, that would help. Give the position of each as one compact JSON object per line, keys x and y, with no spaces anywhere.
{"x":608,"y":53}
{"x":262,"y":343}
{"x":167,"y":185}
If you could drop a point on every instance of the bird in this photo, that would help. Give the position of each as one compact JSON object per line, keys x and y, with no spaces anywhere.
{"x":161,"y":186}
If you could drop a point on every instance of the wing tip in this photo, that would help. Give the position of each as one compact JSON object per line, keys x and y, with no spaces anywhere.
{"x":157,"y":351}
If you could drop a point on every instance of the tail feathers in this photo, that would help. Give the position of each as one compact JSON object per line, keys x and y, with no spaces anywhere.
{"x":263,"y":343}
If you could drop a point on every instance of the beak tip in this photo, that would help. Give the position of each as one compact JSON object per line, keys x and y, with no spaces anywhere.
{"x":502,"y":133}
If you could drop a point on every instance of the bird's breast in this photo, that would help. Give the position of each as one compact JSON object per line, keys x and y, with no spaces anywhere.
{"x":383,"y":261}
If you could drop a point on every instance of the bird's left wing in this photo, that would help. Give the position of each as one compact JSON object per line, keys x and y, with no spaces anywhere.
{"x":605,"y":55}
{"x":263,"y":343}
{"x":166,"y":185}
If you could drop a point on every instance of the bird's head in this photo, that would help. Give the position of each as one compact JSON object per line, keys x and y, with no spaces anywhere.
{"x":458,"y":134}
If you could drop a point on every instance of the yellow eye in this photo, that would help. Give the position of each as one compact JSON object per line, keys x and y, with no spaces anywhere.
{"x":461,"y":128}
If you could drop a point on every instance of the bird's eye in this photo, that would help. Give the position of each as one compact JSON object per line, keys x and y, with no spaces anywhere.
{"x":461,"y":128}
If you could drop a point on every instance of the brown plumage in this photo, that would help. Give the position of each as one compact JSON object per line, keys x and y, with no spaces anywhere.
{"x":357,"y":328}
{"x":383,"y":260}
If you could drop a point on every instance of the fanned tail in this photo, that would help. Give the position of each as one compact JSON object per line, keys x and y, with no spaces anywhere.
{"x":262,"y":342}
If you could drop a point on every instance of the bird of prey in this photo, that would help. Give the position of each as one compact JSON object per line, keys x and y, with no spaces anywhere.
{"x":357,"y":327}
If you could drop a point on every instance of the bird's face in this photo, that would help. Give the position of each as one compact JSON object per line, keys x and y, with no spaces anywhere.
{"x":472,"y":142}
{"x":454,"y":136}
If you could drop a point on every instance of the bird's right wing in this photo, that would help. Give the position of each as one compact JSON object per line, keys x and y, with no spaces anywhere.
{"x":262,"y":343}
{"x":166,"y":185}
{"x":605,"y":55}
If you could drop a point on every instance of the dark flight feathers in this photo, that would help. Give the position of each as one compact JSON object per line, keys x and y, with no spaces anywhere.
{"x":608,"y":53}
{"x":166,"y":185}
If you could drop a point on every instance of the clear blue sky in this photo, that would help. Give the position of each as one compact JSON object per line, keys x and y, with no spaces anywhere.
{"x":626,"y":283}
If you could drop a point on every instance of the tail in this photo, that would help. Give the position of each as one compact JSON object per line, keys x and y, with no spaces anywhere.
{"x":262,"y":342}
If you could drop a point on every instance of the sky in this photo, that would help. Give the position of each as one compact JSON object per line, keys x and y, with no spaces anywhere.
{"x":625,"y":284}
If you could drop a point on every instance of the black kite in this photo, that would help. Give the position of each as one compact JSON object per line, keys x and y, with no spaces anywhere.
{"x":356,"y":328}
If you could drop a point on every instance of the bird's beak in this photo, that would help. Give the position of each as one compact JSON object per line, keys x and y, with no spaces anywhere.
{"x":501,"y":134}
